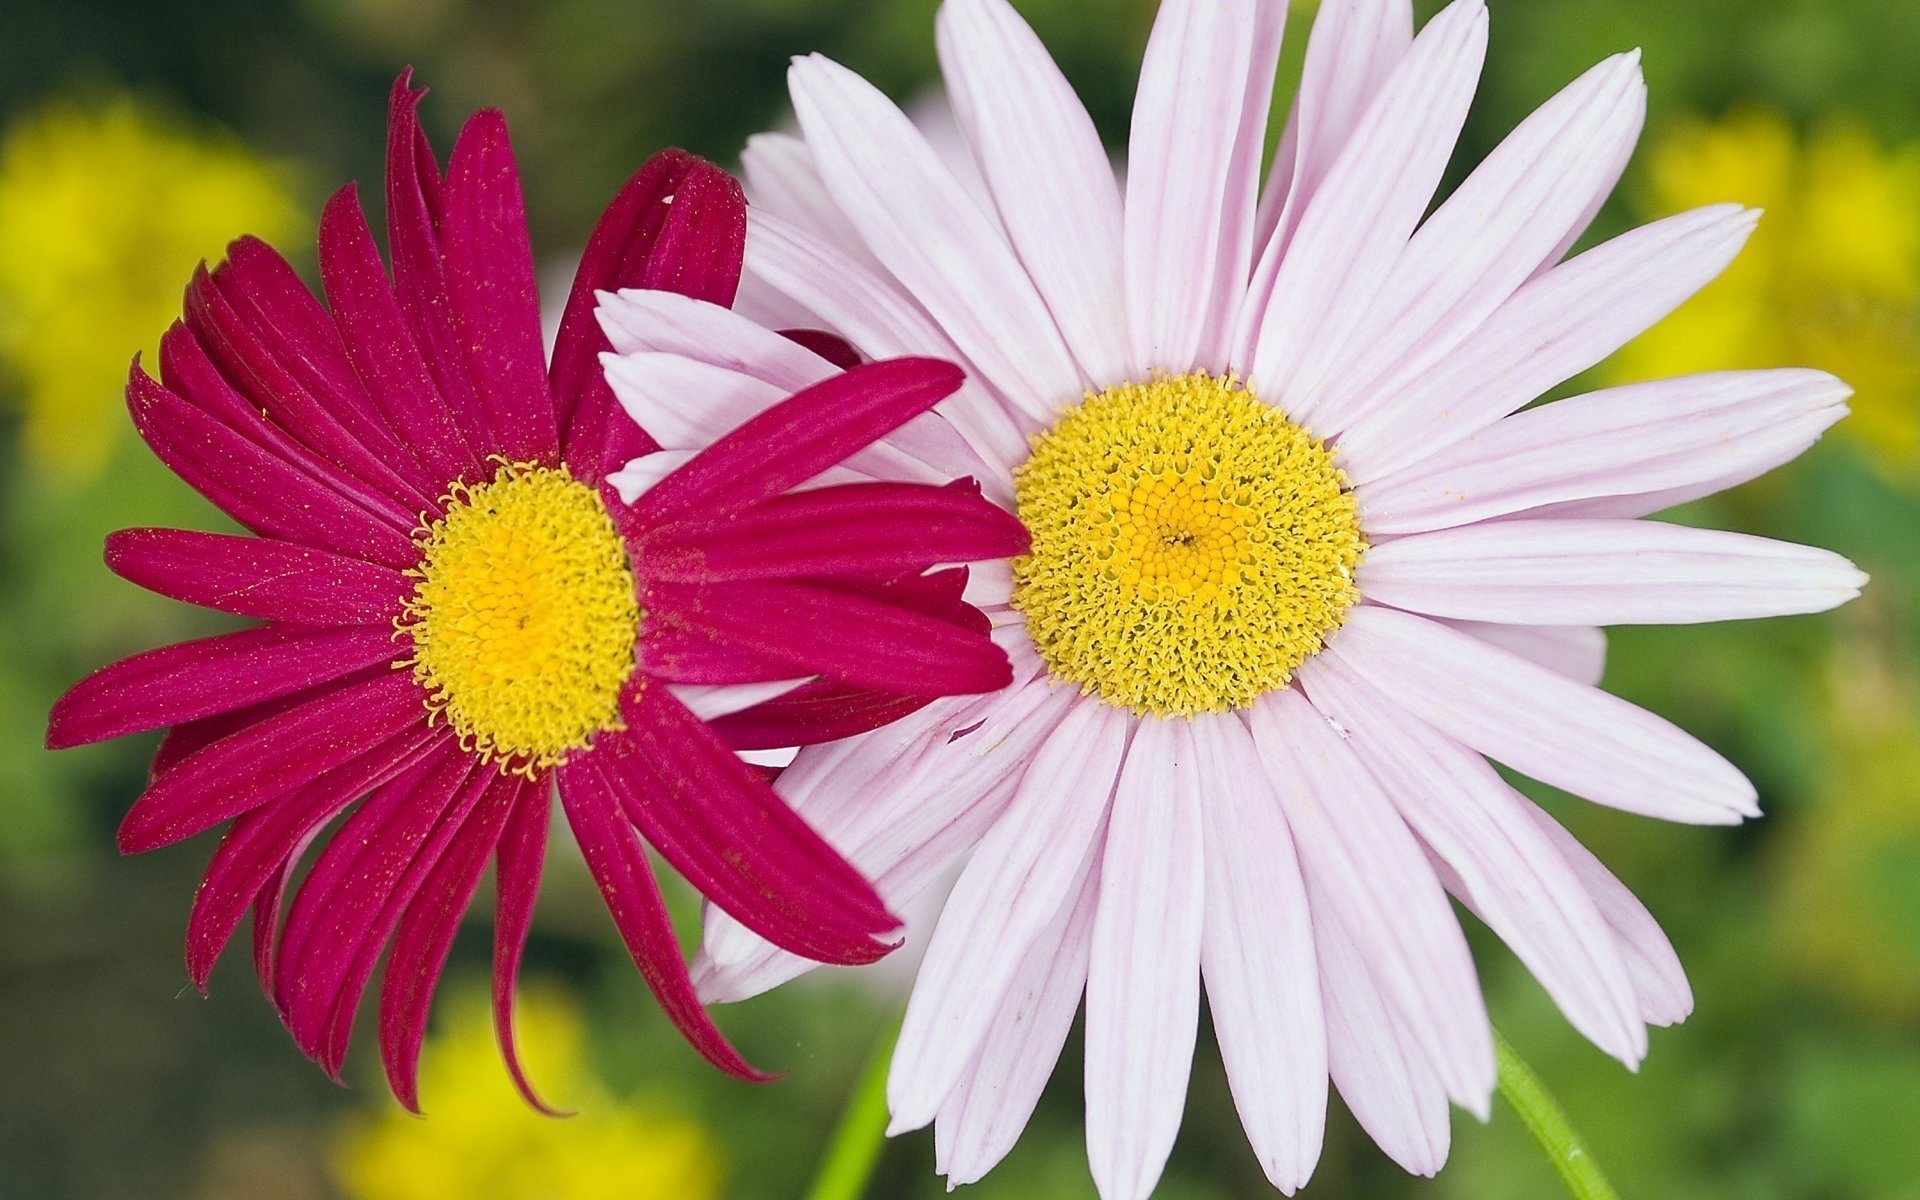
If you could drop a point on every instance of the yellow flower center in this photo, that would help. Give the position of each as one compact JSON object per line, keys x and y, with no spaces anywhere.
{"x":523,"y":617}
{"x":1191,"y":546}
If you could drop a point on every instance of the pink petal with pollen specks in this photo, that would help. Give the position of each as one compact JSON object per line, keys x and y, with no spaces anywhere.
{"x":1624,"y":446}
{"x":202,"y":678}
{"x":1356,"y":228}
{"x":518,"y":861}
{"x":1555,"y":327}
{"x":1603,"y":573}
{"x":1577,"y":651}
{"x":1494,"y":858}
{"x":1143,"y":975}
{"x":381,"y":346}
{"x":679,"y":225}
{"x":1487,"y":239}
{"x":1257,"y":957}
{"x":916,"y":218}
{"x":258,"y":577}
{"x":1384,"y":1077}
{"x":1359,"y":855}
{"x":619,"y":865}
{"x":268,"y":759}
{"x":1049,"y":175}
{"x":425,"y":936}
{"x":1023,"y":873}
{"x":1658,"y":979}
{"x":989,"y":1108}
{"x":492,"y":294}
{"x":1351,"y":52}
{"x":1539,"y":722}
{"x":874,"y":315}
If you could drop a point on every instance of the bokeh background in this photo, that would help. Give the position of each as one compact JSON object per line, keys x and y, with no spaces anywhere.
{"x":136,"y":138}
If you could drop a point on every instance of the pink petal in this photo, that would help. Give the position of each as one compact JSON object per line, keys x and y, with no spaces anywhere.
{"x":517,"y":865}
{"x":1049,"y":175}
{"x":1539,"y":722}
{"x":1603,"y":573}
{"x":1256,"y":955}
{"x":918,"y":220}
{"x":258,"y":577}
{"x":1359,"y":856}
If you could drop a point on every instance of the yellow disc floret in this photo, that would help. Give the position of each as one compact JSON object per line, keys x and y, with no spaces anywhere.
{"x":1191,"y":546}
{"x":523,"y":617}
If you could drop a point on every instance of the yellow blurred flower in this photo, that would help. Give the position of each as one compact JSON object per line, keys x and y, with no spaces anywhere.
{"x":480,"y":1140}
{"x":104,"y":210}
{"x":1830,"y":280}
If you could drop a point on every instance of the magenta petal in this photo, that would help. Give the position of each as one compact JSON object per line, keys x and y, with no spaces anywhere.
{"x":517,"y":866}
{"x":797,"y":439}
{"x":493,"y":298}
{"x":619,"y":865}
{"x":425,"y":936}
{"x":812,"y":714}
{"x":676,"y":653}
{"x":190,"y":680}
{"x":382,"y":347}
{"x":258,"y":488}
{"x":846,"y":637}
{"x":856,"y":531}
{"x":723,"y":828}
{"x":679,"y":224}
{"x":258,"y":577}
{"x":246,"y":769}
{"x":832,"y":347}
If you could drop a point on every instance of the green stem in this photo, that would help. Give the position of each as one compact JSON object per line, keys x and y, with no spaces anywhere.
{"x":855,"y":1149}
{"x":1547,"y":1122}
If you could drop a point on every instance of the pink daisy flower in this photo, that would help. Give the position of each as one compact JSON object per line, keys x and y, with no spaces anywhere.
{"x":1300,"y":566}
{"x":424,"y":492}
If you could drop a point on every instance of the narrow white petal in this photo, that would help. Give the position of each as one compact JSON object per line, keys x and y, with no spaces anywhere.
{"x":1577,"y":651}
{"x":1047,"y":172}
{"x":1603,"y":573}
{"x":1539,"y":722}
{"x":984,"y":1115}
{"x":781,"y":179}
{"x":1357,"y":226}
{"x":1358,"y":853}
{"x":639,"y":476}
{"x":1023,"y":874}
{"x":1256,"y":956}
{"x":1143,"y":978}
{"x":1658,"y":978}
{"x":918,"y":220}
{"x":1386,"y":1081}
{"x":875,"y":316}
{"x":1492,"y":855}
{"x":1550,"y":330}
{"x":1487,"y":239}
{"x":1630,"y":443}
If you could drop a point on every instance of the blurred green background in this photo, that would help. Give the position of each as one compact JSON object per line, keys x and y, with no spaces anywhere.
{"x":139,"y":137}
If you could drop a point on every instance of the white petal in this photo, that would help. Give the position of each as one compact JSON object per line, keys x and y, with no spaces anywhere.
{"x":1184,"y":157}
{"x":1658,"y":978}
{"x":1549,"y":331}
{"x":1256,"y":955}
{"x":682,"y":403}
{"x":708,"y":701}
{"x":1386,"y":1081}
{"x":875,"y":316}
{"x":1359,"y":221}
{"x":1143,"y":979}
{"x":639,"y":476}
{"x":1487,"y":239}
{"x":1539,"y":722}
{"x":1577,"y":651}
{"x":1494,"y":857}
{"x":1023,"y":874}
{"x":988,"y":1109}
{"x":781,"y":179}
{"x":1048,"y":174}
{"x":1630,"y":442}
{"x":918,"y":220}
{"x":1358,"y":853}
{"x":1603,"y":573}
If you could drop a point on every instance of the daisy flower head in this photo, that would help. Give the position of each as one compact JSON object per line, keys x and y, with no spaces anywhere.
{"x":460,"y":617}
{"x":1301,"y":568}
